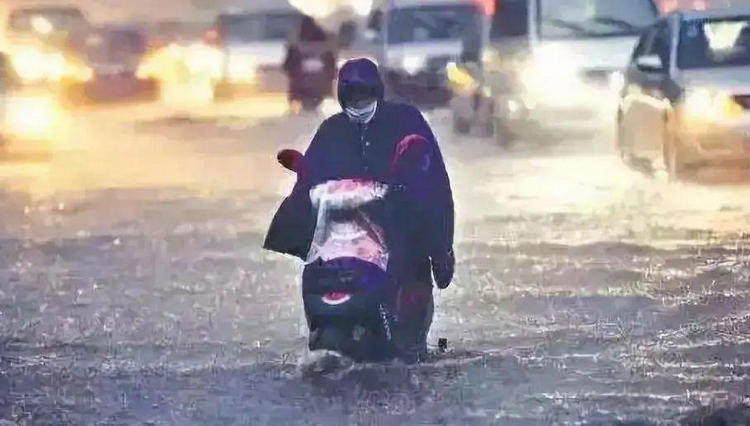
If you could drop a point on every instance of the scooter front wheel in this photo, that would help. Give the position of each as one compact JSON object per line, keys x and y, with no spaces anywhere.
{"x":358,"y":343}
{"x":330,"y":338}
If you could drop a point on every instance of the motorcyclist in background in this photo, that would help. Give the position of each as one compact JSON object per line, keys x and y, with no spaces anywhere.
{"x":361,"y":142}
{"x":310,"y":65}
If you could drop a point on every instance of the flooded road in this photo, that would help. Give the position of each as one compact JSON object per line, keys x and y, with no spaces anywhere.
{"x":133,"y":289}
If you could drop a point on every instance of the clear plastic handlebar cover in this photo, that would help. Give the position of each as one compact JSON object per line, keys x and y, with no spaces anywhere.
{"x":343,"y":229}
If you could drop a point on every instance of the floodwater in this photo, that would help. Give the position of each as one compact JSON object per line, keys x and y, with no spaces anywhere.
{"x":133,"y":289}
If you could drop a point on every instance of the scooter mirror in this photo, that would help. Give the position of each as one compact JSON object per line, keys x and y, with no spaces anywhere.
{"x":290,"y":159}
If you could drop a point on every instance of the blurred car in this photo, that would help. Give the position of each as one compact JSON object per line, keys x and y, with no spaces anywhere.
{"x":185,"y":63}
{"x":29,"y":117}
{"x":176,"y":53}
{"x":35,"y":39}
{"x":550,"y":65}
{"x":687,"y":95}
{"x":253,"y":47}
{"x":416,"y":40}
{"x":104,"y":65}
{"x":164,"y":33}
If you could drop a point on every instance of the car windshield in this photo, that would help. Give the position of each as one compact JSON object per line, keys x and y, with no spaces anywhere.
{"x":166,"y":31}
{"x":108,"y":44}
{"x":714,"y":43}
{"x":593,"y":18}
{"x":127,"y":41}
{"x":259,"y":27}
{"x":46,"y":21}
{"x":428,"y":23}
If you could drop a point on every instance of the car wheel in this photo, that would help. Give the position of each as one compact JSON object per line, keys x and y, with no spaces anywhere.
{"x":673,"y":162}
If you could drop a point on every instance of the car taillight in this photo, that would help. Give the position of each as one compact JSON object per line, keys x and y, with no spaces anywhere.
{"x":488,"y":7}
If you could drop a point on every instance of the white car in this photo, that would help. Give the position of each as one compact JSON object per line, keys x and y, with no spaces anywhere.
{"x":687,"y":96}
{"x":35,"y":36}
{"x":417,"y":40}
{"x":553,"y":64}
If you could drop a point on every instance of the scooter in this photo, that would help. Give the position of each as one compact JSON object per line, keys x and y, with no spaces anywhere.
{"x":349,"y":291}
{"x":314,"y":81}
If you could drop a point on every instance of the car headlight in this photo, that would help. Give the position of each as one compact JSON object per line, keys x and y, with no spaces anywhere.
{"x":489,"y":55}
{"x":145,"y":70}
{"x":32,"y":117}
{"x":34,"y":65}
{"x":155,"y":65}
{"x":552,"y":74}
{"x":202,"y":60}
{"x":459,"y":76}
{"x":241,"y":68}
{"x":552,"y":61}
{"x":705,"y":103}
{"x":413,"y":63}
{"x":78,"y":71}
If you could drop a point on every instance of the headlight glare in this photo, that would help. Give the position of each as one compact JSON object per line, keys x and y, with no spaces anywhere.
{"x":705,"y":103}
{"x":459,"y":76}
{"x":30,"y":117}
{"x":34,"y":65}
{"x":241,"y":68}
{"x":552,"y":76}
{"x":412,"y":63}
{"x":78,"y":71}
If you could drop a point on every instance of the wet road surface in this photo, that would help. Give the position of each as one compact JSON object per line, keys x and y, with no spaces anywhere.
{"x":133,"y":289}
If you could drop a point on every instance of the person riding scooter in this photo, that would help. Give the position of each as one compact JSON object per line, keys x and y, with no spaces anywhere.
{"x":349,"y":288}
{"x":361,"y":143}
{"x":310,"y":65}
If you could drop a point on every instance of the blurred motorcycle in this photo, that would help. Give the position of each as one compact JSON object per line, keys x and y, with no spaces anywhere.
{"x":310,"y":65}
{"x":311,"y":72}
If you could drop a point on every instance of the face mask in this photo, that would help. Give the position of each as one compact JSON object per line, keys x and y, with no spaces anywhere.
{"x":361,"y":115}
